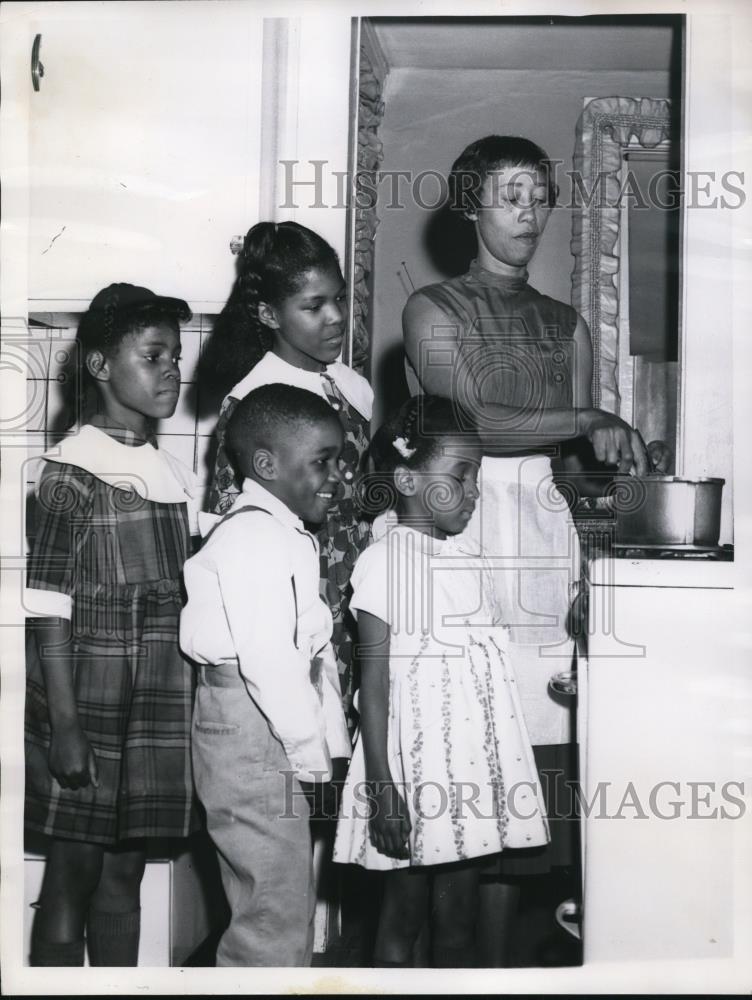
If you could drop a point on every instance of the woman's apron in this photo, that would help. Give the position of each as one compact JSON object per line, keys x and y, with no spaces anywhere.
{"x":523,"y":525}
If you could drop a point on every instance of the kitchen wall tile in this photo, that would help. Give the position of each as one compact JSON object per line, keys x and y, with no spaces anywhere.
{"x":183,"y":420}
{"x":181,"y":446}
{"x":190,"y":339}
{"x":35,"y":417}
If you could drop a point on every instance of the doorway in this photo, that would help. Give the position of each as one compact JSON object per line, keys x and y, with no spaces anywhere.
{"x":437,"y":84}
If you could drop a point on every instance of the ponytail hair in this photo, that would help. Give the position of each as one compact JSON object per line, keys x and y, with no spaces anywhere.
{"x":271,"y":267}
{"x":410,"y":437}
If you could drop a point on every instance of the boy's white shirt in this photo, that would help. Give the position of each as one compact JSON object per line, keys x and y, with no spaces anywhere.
{"x":152,"y":473}
{"x":272,"y":368}
{"x":241,"y":605}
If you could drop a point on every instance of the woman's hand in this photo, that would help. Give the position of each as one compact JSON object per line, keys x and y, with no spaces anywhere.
{"x":614,"y":441}
{"x":660,"y":456}
{"x":71,"y":759}
{"x":389,"y":823}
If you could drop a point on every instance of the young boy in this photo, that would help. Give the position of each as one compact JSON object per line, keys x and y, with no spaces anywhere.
{"x":268,"y":709}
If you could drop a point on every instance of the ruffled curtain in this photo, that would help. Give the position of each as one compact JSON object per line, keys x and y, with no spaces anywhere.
{"x":605,"y":128}
{"x":370,"y":154}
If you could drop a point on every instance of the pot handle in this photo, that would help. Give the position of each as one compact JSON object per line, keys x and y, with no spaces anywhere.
{"x":568,"y":916}
{"x":564,"y":683}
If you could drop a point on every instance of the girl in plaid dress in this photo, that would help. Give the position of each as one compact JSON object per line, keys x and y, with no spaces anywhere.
{"x":109,"y":698}
{"x":285,"y":323}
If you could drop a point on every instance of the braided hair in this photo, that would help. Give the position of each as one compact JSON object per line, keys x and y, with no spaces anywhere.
{"x":113,"y":314}
{"x":411,"y":437}
{"x":271,"y":267}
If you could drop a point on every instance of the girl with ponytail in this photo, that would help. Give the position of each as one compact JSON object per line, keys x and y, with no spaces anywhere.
{"x":285,"y":322}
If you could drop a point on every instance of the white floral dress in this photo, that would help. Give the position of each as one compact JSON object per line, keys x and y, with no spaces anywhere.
{"x":457,"y":741}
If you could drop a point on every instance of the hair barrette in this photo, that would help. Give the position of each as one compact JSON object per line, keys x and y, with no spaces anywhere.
{"x":403,"y":448}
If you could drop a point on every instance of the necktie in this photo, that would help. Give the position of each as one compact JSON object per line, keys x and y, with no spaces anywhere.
{"x":333,"y":395}
{"x":336,"y":401}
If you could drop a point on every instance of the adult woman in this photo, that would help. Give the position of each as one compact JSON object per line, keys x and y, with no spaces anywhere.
{"x":521,"y":364}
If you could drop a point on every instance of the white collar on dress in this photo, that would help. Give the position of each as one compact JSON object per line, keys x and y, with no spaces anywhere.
{"x":272,"y":368}
{"x":387,"y":525}
{"x":150,"y":472}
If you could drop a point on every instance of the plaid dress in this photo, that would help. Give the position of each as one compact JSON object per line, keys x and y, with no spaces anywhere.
{"x":342,"y":537}
{"x":119,"y":557}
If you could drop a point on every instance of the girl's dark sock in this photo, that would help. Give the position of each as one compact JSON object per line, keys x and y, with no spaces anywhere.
{"x":384,"y":963}
{"x":56,"y":953}
{"x":112,"y":938}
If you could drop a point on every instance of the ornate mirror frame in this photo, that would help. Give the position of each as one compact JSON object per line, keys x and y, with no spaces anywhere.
{"x":604,"y":131}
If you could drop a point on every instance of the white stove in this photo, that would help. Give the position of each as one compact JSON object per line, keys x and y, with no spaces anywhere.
{"x":665,"y":710}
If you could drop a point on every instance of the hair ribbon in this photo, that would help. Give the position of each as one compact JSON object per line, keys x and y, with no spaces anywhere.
{"x":403,"y":448}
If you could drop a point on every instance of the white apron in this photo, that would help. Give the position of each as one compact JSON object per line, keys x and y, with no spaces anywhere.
{"x":523,"y":526}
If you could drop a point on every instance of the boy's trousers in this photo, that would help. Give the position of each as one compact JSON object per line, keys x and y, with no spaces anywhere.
{"x":258,"y":819}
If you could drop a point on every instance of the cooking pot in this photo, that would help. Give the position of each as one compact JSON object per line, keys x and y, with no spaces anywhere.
{"x":666,"y":510}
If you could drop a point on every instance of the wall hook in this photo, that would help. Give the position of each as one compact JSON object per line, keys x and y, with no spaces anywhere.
{"x":37,"y":69}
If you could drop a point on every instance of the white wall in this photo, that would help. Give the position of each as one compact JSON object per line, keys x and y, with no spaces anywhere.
{"x":304,"y":91}
{"x":714,"y":242}
{"x":431,"y":115}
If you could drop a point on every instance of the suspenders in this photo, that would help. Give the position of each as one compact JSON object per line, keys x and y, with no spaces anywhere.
{"x":251,"y":507}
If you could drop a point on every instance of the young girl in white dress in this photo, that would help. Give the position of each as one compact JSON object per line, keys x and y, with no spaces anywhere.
{"x":443,"y":772}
